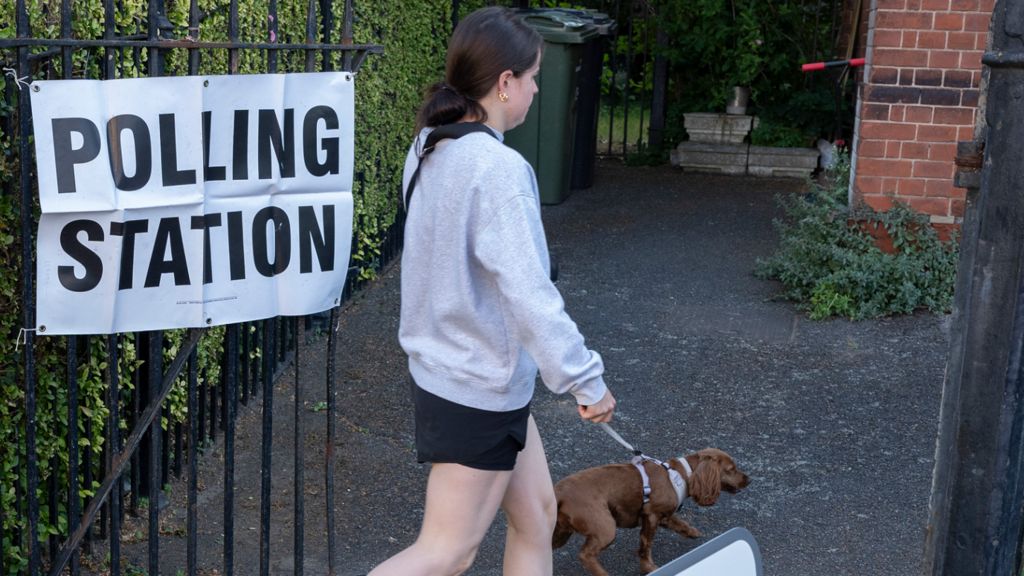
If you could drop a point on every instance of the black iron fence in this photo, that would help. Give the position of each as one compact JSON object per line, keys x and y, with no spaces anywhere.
{"x":83,"y":502}
{"x":629,"y":101}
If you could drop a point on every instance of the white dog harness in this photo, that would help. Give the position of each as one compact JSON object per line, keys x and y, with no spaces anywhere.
{"x":678,"y":482}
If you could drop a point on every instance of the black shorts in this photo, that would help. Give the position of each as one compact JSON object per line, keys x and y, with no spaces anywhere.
{"x":447,"y":432}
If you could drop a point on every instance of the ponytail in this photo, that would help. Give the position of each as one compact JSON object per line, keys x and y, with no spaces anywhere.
{"x":444,"y":104}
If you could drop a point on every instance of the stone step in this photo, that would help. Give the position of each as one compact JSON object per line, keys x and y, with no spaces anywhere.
{"x":739,"y":159}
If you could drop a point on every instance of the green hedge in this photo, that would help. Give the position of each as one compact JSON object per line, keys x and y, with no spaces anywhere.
{"x":388,"y":90}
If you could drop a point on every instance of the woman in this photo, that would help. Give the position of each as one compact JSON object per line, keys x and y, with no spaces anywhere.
{"x":480,"y":314}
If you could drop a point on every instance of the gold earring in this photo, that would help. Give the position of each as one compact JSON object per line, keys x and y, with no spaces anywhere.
{"x":502,"y":96}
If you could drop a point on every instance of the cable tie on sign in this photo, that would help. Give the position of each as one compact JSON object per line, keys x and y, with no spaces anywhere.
{"x":21,"y":82}
{"x":22,"y":337}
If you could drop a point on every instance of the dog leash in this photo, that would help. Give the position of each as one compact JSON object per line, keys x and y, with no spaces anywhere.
{"x":615,"y":436}
{"x":678,"y":482}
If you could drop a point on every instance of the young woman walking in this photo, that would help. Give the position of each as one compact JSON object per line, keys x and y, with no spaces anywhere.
{"x":480,"y":315}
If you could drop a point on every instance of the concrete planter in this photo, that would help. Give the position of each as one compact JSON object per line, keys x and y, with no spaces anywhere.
{"x":782,"y":162}
{"x":717,"y":128}
{"x":716,"y":158}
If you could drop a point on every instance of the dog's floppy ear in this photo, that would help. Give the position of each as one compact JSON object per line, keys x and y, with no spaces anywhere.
{"x":706,"y":482}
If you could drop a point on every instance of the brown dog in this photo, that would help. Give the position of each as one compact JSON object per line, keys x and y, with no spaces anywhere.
{"x":596,"y":500}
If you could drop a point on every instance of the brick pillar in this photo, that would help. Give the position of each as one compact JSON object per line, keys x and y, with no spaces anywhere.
{"x":918,"y":99}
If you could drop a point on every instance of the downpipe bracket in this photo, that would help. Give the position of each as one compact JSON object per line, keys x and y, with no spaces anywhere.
{"x":1004,"y":59}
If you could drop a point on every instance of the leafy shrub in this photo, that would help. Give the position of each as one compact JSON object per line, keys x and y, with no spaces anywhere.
{"x":829,"y":264}
{"x":811,"y":110}
{"x":771,"y":133}
{"x":718,"y":44}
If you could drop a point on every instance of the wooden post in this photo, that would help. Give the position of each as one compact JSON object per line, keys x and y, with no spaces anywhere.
{"x":976,"y":513}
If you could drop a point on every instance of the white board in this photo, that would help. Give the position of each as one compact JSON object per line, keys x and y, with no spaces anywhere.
{"x":734,"y":553}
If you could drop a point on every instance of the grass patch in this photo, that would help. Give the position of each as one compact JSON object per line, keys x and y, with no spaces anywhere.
{"x":619,"y":131}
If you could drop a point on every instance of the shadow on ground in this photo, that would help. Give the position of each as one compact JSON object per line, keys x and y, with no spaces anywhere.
{"x":835,"y":421}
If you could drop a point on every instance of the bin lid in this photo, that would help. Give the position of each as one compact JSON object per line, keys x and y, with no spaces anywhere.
{"x":560,"y":27}
{"x":604,"y":23}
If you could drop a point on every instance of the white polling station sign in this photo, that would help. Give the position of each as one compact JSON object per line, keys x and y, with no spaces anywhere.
{"x":734,"y":553}
{"x":191,"y":201}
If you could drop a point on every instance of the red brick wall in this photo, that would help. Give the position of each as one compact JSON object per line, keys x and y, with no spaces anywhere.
{"x":918,"y":99}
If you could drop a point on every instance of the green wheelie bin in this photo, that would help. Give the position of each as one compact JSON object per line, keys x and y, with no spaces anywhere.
{"x":545,"y":138}
{"x":584,"y":150}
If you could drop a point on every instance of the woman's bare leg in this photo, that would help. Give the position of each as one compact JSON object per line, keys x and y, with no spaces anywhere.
{"x":531,"y":509}
{"x":461,"y":504}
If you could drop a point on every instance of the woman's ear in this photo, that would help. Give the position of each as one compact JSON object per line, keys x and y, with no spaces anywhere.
{"x":503,"y":79}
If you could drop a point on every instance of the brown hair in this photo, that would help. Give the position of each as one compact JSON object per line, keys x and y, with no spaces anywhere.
{"x":484,"y":44}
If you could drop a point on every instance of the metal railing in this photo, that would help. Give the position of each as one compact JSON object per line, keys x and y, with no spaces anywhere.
{"x":626,"y":91}
{"x":129,"y":472}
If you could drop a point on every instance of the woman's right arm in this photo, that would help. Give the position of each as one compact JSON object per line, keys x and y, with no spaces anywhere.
{"x":512,"y":248}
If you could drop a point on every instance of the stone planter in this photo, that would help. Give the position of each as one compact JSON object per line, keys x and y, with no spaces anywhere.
{"x":717,"y":158}
{"x":713,"y":128}
{"x":782,"y":162}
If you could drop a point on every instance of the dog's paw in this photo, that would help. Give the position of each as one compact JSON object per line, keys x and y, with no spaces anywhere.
{"x":648,"y":567}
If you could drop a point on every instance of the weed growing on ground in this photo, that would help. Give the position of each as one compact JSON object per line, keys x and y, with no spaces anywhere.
{"x":830,"y":265}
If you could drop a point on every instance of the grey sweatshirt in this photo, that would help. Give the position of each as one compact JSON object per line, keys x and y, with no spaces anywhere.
{"x":480,"y":314}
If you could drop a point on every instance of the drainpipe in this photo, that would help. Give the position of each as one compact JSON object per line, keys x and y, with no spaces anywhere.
{"x":869,"y":57}
{"x":976,"y":512}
